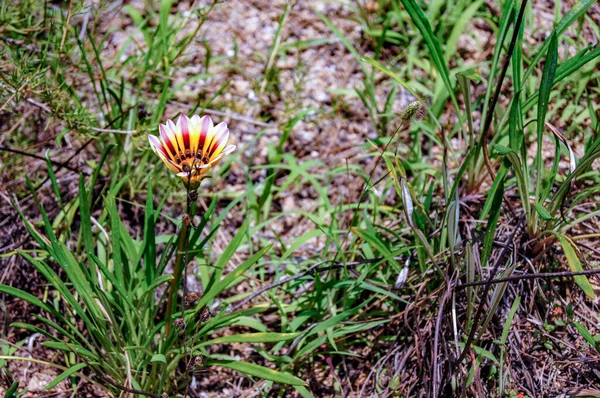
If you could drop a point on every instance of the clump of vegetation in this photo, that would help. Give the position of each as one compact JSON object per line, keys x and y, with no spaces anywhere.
{"x":427,"y":229}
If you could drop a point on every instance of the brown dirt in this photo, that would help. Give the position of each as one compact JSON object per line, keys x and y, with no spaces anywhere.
{"x":543,"y":361}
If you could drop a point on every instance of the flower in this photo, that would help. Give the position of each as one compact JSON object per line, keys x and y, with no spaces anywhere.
{"x":191,"y":147}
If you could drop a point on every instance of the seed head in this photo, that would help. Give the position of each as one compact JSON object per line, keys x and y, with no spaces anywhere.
{"x":414,"y":110}
{"x":180,"y":323}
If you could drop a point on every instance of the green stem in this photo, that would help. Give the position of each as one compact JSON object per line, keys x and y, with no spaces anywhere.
{"x":172,"y":302}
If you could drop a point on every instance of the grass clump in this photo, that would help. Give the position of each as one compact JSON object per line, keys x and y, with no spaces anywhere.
{"x":404,"y":234}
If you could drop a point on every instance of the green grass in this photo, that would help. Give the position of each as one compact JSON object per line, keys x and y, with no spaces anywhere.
{"x":474,"y":179}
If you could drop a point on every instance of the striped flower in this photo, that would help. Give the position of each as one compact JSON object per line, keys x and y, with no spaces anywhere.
{"x":191,"y":147}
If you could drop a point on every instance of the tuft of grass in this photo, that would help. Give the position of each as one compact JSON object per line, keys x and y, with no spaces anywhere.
{"x":473,"y":178}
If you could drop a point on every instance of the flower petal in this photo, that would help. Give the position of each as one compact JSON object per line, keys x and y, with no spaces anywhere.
{"x":229,"y":149}
{"x":183,"y":128}
{"x":169,"y":144}
{"x":178,"y":138}
{"x":213,"y":135}
{"x":194,"y":126}
{"x":206,"y":128}
{"x":158,"y":148}
{"x":195,"y":144}
{"x":219,"y":143}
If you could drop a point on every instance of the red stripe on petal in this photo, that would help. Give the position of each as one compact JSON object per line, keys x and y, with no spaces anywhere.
{"x":167,"y":142}
{"x":204,"y":128}
{"x":185,"y":131}
{"x":155,"y":144}
{"x":217,"y":142}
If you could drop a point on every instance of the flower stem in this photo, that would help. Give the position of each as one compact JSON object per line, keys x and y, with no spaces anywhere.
{"x":172,"y":302}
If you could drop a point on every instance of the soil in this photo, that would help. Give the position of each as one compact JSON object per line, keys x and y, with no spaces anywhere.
{"x":316,"y":80}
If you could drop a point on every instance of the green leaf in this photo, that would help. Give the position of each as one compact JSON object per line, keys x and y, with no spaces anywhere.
{"x":575,"y":265}
{"x":578,"y":10}
{"x":115,"y":236}
{"x":545,"y":90}
{"x":157,"y":282}
{"x":435,"y":50}
{"x":251,"y":338}
{"x":303,"y":391}
{"x":259,"y":371}
{"x":587,"y":335}
{"x":149,"y":238}
{"x":27,"y":297}
{"x":74,"y":348}
{"x":511,"y":315}
{"x":53,"y":180}
{"x":490,"y":231}
{"x":159,"y":358}
{"x":229,"y":252}
{"x":10,"y":393}
{"x":221,"y":285}
{"x":470,"y":74}
{"x":86,"y":224}
{"x":541,"y":210}
{"x":69,"y":372}
{"x":503,"y":150}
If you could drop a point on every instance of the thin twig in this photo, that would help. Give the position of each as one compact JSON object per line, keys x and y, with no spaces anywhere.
{"x":436,"y":340}
{"x":315,"y":268}
{"x":275,"y":284}
{"x":127,"y":389}
{"x":65,"y":165}
{"x":100,"y":130}
{"x":230,"y":115}
{"x":543,"y":275}
{"x":486,"y":290}
{"x":490,"y":113}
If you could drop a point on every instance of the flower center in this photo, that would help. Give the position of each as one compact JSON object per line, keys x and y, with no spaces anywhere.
{"x":187,"y":160}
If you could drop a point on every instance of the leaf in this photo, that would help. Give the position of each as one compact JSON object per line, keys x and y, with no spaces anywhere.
{"x":470,"y":74}
{"x":259,"y":371}
{"x":10,"y":393}
{"x":575,"y":265}
{"x":149,"y":238}
{"x":574,"y":13}
{"x":27,"y":297}
{"x":229,"y":252}
{"x":303,"y":391}
{"x":503,"y":150}
{"x":159,"y":358}
{"x":545,"y":90}
{"x":511,"y":315}
{"x":492,"y":224}
{"x":74,"y":348}
{"x":53,"y":180}
{"x":219,"y":286}
{"x":541,"y":210}
{"x":157,"y":282}
{"x":251,"y":338}
{"x":587,"y":335}
{"x":86,"y":225}
{"x":433,"y":44}
{"x":72,"y":370}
